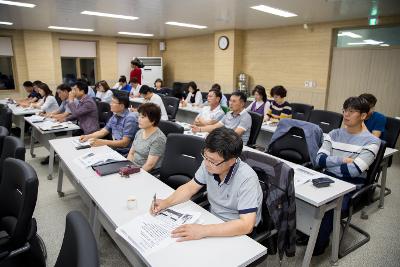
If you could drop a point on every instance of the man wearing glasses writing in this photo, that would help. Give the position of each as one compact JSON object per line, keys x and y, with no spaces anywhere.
{"x":233,"y":190}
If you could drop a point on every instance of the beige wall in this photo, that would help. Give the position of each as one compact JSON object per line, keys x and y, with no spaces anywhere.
{"x":37,"y":56}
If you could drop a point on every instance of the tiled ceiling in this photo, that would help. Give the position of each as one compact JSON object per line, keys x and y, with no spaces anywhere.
{"x":215,"y":14}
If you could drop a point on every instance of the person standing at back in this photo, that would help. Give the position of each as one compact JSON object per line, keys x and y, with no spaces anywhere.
{"x":136,"y":71}
{"x":375,"y":121}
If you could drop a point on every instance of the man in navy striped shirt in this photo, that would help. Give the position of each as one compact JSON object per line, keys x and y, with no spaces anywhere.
{"x":346,"y":154}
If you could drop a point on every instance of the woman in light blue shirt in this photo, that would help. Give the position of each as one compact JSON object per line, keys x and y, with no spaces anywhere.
{"x":48,"y":102}
{"x":104,"y":92}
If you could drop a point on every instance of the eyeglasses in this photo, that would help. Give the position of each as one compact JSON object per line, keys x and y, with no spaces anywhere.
{"x":209,"y":161}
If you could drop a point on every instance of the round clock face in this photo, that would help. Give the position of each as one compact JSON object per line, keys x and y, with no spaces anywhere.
{"x":223,"y":42}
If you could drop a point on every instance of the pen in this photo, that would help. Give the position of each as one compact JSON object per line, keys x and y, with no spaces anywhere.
{"x":154,"y":201}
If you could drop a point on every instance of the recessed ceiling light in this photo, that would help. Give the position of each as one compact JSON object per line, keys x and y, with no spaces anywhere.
{"x":108,"y":15}
{"x":384,"y":45}
{"x":350,"y":34}
{"x":6,"y":23}
{"x":274,"y":11}
{"x":137,"y":34}
{"x":367,"y":42}
{"x":13,"y":3}
{"x":180,"y":24}
{"x":70,"y":29}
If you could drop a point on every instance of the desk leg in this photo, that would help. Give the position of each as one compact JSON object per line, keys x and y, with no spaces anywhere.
{"x":21,"y":125}
{"x":319,"y":214}
{"x":51,"y":163}
{"x":336,"y":231}
{"x":96,"y":225}
{"x":32,"y":145}
{"x":383,"y":184}
{"x":60,"y":178}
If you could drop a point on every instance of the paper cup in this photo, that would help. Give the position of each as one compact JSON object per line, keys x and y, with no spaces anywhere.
{"x":131,"y":203}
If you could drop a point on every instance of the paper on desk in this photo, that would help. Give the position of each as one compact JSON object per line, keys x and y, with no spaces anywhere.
{"x":36,"y":118}
{"x":303,"y":175}
{"x":51,"y":125}
{"x":149,"y":234}
{"x":90,"y":158}
{"x":78,"y":143}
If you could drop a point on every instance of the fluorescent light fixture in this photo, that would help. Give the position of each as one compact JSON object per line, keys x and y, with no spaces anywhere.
{"x":70,"y":29}
{"x":274,"y":11}
{"x":384,"y":45}
{"x":137,"y":34}
{"x":6,"y":23}
{"x":367,"y":42}
{"x":108,"y":15}
{"x":350,"y":34}
{"x":13,"y":3}
{"x":180,"y":24}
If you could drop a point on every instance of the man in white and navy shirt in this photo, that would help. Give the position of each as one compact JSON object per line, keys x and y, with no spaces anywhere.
{"x":213,"y":112}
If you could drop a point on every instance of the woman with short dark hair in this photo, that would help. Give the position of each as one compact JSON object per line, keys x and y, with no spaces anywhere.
{"x":280,"y":108}
{"x":194,"y":97}
{"x":148,"y":146}
{"x":48,"y":102}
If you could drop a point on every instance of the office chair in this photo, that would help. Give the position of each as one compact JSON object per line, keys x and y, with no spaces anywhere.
{"x":181,"y":160}
{"x":256,"y":123}
{"x":204,"y":96}
{"x":3,"y":133}
{"x":18,"y":193}
{"x":327,"y":120}
{"x":179,"y":90}
{"x":79,"y":247}
{"x":171,"y":105}
{"x":292,"y":146}
{"x":6,"y":118}
{"x":392,"y":131}
{"x":361,"y":198}
{"x":168,"y":127}
{"x":301,"y":111}
{"x":276,"y":180}
{"x":13,"y":147}
{"x":104,"y":111}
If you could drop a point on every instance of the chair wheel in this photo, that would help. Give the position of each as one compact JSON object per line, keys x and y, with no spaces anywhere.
{"x":364,"y":215}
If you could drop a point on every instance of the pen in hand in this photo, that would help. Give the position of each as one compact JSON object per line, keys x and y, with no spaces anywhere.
{"x":154,"y":203}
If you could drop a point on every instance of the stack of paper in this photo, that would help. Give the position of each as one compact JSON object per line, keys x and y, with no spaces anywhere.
{"x":36,"y":118}
{"x":50,"y":125}
{"x":90,"y":158}
{"x":149,"y":233}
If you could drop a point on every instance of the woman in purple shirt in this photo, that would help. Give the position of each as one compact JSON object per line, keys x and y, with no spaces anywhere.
{"x":260,"y":104}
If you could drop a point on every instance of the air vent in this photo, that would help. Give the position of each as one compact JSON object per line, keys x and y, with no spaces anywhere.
{"x":151,"y":61}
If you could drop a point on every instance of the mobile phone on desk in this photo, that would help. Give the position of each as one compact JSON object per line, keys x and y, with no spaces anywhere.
{"x":322,"y":182}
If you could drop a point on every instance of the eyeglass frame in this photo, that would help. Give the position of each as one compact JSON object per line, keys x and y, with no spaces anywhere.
{"x":212,"y":163}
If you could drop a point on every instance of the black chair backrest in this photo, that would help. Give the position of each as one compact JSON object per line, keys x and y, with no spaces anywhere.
{"x":327,"y":120}
{"x":105,"y":113}
{"x":13,"y":147}
{"x":79,"y":247}
{"x":256,"y":123}
{"x":392,"y":131}
{"x":228,"y":96}
{"x":204,"y":95}
{"x":179,"y":90}
{"x":171,"y":105}
{"x":181,"y":160}
{"x":168,"y":127}
{"x":3,"y":133}
{"x":301,"y":111}
{"x":6,"y":118}
{"x":18,"y":195}
{"x":291,"y":146}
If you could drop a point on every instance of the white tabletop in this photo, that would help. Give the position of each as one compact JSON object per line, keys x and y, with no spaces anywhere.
{"x":18,"y":110}
{"x":111,"y":192}
{"x":269,"y":127}
{"x":189,"y":107}
{"x":70,"y":126}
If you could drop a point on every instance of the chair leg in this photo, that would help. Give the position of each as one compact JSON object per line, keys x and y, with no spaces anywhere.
{"x":358,"y":244}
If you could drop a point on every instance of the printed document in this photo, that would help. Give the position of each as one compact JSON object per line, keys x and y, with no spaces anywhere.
{"x":149,"y":234}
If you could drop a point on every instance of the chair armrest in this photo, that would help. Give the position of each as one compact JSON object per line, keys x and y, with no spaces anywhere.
{"x":11,"y":254}
{"x":307,"y":164}
{"x":362,"y":191}
{"x":155,"y":172}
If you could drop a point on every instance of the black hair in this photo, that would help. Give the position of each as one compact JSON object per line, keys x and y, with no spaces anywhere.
{"x":158,"y":80}
{"x":226,"y":142}
{"x":151,"y":111}
{"x":357,"y":103}
{"x":45,"y":88}
{"x":217,"y":93}
{"x":193,"y":85}
{"x":144,"y":89}
{"x":122,"y":97}
{"x":122,"y":79}
{"x":82,"y":86}
{"x":371,"y":99}
{"x":27,"y":84}
{"x":261,"y":91}
{"x":64,"y":87}
{"x":241,"y":95}
{"x":37,"y":82}
{"x":216,"y":86}
{"x":278,"y":90}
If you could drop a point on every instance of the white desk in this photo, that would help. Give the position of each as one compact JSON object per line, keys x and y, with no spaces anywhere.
{"x":18,"y":114}
{"x":311,"y":205}
{"x":388,"y":152}
{"x":43,"y":138}
{"x":107,"y":197}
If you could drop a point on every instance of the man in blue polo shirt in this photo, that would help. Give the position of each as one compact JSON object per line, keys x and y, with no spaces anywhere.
{"x":123,"y":126}
{"x":233,"y":190}
{"x":375,"y":121}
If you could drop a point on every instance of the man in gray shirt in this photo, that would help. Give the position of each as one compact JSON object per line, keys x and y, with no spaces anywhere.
{"x":237,"y":119}
{"x":233,"y":190}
